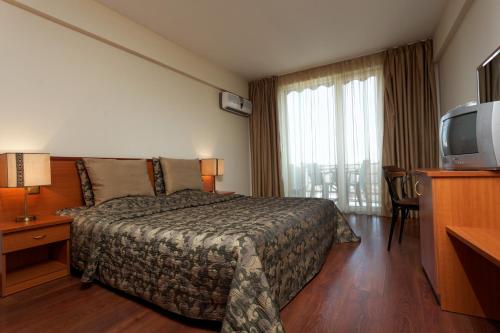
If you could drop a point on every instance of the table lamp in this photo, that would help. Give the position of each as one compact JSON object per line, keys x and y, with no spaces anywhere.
{"x":28,"y":171}
{"x":212,"y":167}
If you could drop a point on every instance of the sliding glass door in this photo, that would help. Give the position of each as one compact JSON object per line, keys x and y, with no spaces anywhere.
{"x":331,"y":139}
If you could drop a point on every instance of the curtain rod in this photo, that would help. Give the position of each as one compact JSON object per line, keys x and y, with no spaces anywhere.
{"x":107,"y":41}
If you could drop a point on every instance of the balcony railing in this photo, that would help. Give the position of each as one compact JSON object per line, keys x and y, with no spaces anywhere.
{"x":360,"y":185}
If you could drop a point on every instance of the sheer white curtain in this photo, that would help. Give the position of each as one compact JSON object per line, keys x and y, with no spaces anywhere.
{"x":331,"y":126}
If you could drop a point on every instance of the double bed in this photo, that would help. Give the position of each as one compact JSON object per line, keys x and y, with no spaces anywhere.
{"x":229,"y":258}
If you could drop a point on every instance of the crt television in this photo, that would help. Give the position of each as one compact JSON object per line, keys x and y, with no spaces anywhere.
{"x":470,"y":137}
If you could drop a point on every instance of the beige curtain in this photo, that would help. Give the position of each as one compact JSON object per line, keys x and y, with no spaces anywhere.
{"x":357,"y":68}
{"x":410,"y":110}
{"x":264,"y":139}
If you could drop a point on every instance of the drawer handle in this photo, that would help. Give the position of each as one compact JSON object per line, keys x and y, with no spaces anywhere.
{"x":416,"y":188}
{"x":39,"y":237}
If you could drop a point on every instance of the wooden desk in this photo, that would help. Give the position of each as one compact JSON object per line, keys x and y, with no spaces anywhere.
{"x":486,"y":242}
{"x":459,"y":228}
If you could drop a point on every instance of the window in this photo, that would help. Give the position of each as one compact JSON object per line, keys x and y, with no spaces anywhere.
{"x":331,"y":139}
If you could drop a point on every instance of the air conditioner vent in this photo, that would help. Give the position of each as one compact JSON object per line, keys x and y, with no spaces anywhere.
{"x":235,"y":104}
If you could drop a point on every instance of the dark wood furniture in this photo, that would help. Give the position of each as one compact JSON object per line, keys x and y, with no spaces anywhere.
{"x":396,"y":179}
{"x":460,"y":239}
{"x":33,"y":253}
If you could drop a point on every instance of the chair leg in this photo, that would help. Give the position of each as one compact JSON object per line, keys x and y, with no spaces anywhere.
{"x":395,"y":213}
{"x":404,"y":215}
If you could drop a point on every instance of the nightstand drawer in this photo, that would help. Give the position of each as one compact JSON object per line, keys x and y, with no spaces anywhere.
{"x":31,"y":238}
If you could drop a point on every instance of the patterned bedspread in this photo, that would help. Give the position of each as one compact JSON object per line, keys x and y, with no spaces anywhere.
{"x":235,"y":259}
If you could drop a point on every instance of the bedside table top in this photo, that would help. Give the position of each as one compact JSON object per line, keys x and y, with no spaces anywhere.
{"x":41,"y":221}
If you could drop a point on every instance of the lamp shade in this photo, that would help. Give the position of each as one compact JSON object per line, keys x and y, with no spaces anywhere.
{"x":24,"y":170}
{"x":212,"y":167}
{"x":220,"y":167}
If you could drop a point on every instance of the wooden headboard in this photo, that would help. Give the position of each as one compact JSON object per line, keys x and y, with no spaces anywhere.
{"x":65,"y":191}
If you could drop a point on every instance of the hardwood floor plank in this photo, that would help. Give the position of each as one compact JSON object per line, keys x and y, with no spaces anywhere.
{"x":361,"y":288}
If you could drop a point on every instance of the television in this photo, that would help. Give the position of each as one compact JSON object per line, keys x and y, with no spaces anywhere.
{"x":470,"y":137}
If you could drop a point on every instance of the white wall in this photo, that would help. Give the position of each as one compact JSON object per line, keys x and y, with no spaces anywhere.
{"x":477,"y":35}
{"x":450,"y":20}
{"x":70,"y":95}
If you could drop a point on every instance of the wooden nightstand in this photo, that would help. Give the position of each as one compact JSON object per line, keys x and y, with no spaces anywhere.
{"x":225,"y":192}
{"x":33,"y":253}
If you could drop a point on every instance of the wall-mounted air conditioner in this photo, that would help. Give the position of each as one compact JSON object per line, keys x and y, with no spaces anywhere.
{"x":235,"y":104}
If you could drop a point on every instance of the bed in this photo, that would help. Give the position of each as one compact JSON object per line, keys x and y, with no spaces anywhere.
{"x":234,"y":259}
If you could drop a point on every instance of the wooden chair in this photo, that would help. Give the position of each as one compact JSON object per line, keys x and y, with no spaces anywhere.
{"x":396,"y":178}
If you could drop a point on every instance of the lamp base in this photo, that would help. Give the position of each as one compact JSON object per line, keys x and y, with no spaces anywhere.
{"x":25,"y":219}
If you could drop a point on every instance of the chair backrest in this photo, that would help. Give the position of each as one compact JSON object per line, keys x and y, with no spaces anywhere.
{"x":329,"y":175}
{"x":393,"y":173}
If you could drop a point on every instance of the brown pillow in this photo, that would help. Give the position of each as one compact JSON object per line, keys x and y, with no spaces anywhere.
{"x":181,"y":174}
{"x":117,"y":178}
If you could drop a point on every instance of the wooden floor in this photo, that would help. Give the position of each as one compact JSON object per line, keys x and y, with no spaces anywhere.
{"x":361,"y":288}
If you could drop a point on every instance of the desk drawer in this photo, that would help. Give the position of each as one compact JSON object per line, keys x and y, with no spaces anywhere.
{"x":31,"y":238}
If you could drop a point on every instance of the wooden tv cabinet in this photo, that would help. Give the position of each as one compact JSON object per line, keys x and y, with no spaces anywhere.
{"x":459,"y":228}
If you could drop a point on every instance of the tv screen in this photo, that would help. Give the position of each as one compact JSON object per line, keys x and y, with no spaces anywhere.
{"x":459,"y":135}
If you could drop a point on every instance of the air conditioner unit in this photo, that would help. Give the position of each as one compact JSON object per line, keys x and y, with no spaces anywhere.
{"x":235,"y":104}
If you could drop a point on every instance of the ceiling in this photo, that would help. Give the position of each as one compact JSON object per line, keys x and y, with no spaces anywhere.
{"x":257,"y":38}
